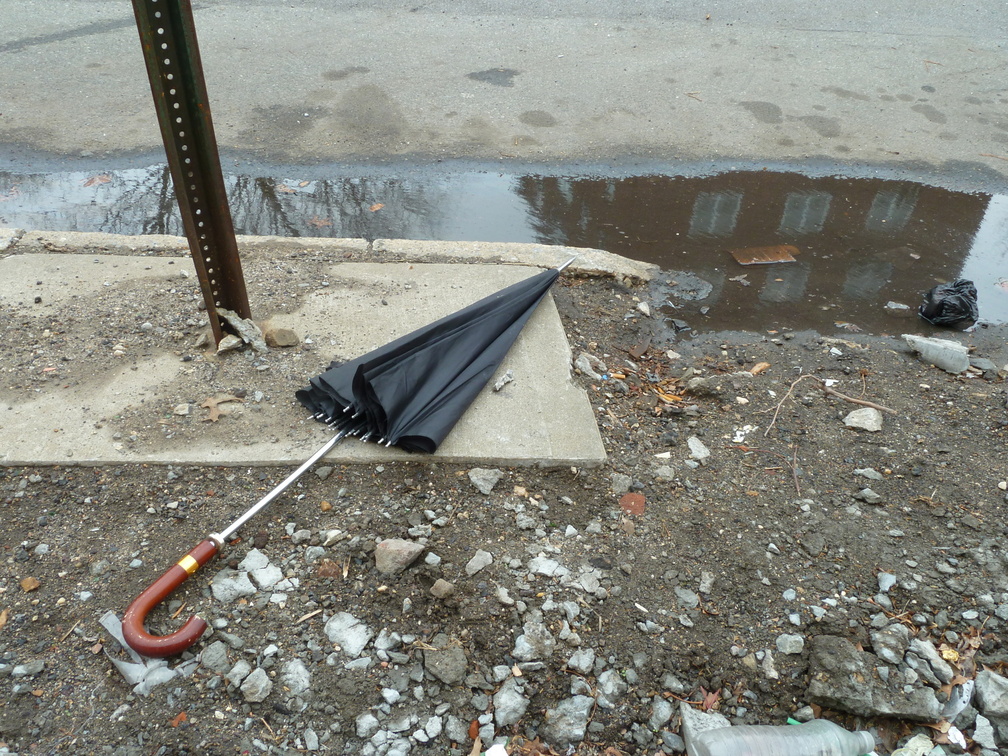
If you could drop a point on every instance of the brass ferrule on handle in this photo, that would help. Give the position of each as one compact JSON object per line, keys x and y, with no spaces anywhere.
{"x":136,"y":613}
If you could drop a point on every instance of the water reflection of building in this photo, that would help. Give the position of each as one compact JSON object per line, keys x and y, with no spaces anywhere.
{"x":862,"y":242}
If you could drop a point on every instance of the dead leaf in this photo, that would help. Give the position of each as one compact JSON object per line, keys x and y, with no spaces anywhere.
{"x":179,"y":719}
{"x":327,"y":569}
{"x":101,"y":178}
{"x":760,"y":367}
{"x":303,"y":184}
{"x":4,"y":615}
{"x":284,"y":189}
{"x":376,"y":207}
{"x":325,"y":506}
{"x":477,"y":744}
{"x":474,"y":733}
{"x":211,"y":403}
{"x":30,"y":584}
{"x":316,"y":222}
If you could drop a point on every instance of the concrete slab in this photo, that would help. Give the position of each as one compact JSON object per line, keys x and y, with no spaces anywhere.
{"x":138,"y":400}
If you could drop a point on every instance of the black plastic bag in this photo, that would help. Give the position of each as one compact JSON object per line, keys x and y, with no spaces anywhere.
{"x":953,"y":305}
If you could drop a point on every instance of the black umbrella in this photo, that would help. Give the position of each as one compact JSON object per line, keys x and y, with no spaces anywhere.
{"x":408,"y":393}
{"x":411,"y":392}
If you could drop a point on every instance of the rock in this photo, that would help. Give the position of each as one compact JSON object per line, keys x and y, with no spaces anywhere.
{"x":295,"y":677}
{"x":868,"y":472}
{"x":698,"y":450}
{"x":891,"y":643}
{"x":237,"y":674}
{"x":591,"y":366}
{"x":695,"y":721}
{"x":393,"y":555}
{"x":541,"y":565}
{"x":257,"y":686}
{"x":536,"y":642}
{"x":349,"y":633}
{"x":229,"y":343}
{"x":367,"y":725}
{"x":311,"y":739}
{"x":245,"y":328}
{"x":620,"y":483}
{"x":886,"y":580}
{"x":868,"y":496}
{"x":687,"y":599}
{"x":480,"y":560}
{"x":446,"y":661}
{"x":661,"y":713}
{"x":215,"y":657}
{"x":253,"y":560}
{"x":267,"y":577}
{"x":992,"y":694}
{"x":442,"y":589}
{"x":844,"y":679}
{"x":456,"y":730}
{"x":926,"y":651}
{"x":281,"y":337}
{"x":433,"y":726}
{"x":485,"y":479}
{"x":28,"y":669}
{"x":788,"y":643}
{"x":610,"y":689}
{"x":509,"y":703}
{"x":950,"y":356}
{"x":983,"y":733}
{"x":229,"y":585}
{"x":566,"y":723}
{"x":582,"y":660}
{"x":864,"y":418}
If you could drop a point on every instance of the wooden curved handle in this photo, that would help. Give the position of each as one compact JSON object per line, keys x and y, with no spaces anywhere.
{"x":133,"y":621}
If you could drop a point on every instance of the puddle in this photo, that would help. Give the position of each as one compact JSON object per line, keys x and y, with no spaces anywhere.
{"x":856,"y":243}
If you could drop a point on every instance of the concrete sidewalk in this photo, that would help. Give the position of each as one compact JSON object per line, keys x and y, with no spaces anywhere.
{"x":101,"y":368}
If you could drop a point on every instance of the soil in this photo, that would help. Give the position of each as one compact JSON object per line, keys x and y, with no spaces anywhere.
{"x":772,"y":510}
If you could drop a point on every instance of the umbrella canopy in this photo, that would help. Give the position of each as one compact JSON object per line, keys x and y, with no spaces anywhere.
{"x":412,"y":391}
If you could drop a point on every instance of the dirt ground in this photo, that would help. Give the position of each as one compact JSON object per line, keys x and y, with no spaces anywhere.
{"x":774,"y":508}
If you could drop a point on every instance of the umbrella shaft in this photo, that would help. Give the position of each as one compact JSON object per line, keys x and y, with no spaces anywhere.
{"x":230,"y":529}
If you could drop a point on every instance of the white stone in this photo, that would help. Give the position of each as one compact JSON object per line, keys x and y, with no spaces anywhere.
{"x":698,"y":450}
{"x":864,"y":418}
{"x":349,"y":633}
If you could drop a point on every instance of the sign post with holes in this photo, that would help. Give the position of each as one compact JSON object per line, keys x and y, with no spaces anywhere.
{"x":168,"y":36}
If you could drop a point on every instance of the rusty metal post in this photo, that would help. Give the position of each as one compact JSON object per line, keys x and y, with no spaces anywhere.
{"x":168,"y":36}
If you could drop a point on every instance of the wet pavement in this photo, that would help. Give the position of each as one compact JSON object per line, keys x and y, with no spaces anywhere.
{"x":862,"y":243}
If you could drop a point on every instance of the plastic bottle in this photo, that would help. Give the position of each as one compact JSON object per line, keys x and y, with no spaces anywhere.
{"x":819,"y":737}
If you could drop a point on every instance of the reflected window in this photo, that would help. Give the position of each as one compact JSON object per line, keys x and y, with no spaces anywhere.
{"x":715,"y":213}
{"x":805,"y":212}
{"x":891,"y":209}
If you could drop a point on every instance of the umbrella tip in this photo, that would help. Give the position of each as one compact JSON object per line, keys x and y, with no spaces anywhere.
{"x":561,"y":267}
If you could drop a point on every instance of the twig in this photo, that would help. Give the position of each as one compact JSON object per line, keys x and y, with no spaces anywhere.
{"x":988,"y":154}
{"x":307,"y":616}
{"x":827,"y":390}
{"x":863,"y":402}
{"x":67,"y":633}
{"x":179,"y":611}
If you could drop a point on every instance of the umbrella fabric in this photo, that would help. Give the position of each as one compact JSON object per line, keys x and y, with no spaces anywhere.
{"x":412,"y":391}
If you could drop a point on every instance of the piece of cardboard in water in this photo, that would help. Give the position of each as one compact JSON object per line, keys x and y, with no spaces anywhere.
{"x":780,"y":253}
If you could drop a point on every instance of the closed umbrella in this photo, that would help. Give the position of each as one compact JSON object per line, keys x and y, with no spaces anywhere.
{"x":408,"y":393}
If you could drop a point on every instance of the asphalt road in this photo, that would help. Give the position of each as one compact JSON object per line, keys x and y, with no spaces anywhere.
{"x":905,"y":84}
